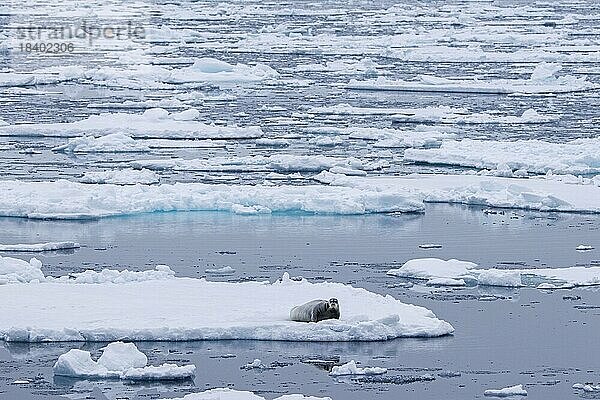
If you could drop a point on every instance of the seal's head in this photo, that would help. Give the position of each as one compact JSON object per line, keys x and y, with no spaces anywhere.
{"x":333,"y":303}
{"x":333,"y":311}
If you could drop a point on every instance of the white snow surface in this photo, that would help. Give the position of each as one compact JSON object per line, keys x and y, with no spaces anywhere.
{"x":230,"y":394}
{"x":579,"y":156}
{"x":70,"y":200}
{"x":516,"y":390}
{"x":118,"y":360}
{"x":350,"y":368}
{"x":153,"y":123}
{"x":434,"y":269}
{"x":91,"y":311}
{"x":542,"y":80}
{"x":39,"y":247}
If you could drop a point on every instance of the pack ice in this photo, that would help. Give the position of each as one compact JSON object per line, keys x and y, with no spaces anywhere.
{"x":543,"y":80}
{"x":153,"y":123}
{"x":89,"y":307}
{"x":579,"y":156}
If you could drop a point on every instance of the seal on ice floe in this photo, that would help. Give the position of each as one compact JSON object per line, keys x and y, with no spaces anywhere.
{"x":316,"y":310}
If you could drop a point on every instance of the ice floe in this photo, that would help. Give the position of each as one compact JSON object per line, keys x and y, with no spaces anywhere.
{"x":230,"y":394}
{"x":277,"y":162}
{"x":542,"y":80}
{"x":516,"y":390}
{"x":437,"y":270}
{"x":220,"y":311}
{"x":587,"y":387}
{"x":39,"y":247}
{"x":364,"y":66}
{"x":584,"y":247}
{"x":125,"y":176}
{"x":579,"y":156}
{"x":111,"y":143}
{"x":146,"y":76}
{"x":350,"y":368}
{"x":118,"y":360}
{"x":227,"y":270}
{"x":153,"y":123}
{"x":541,"y":193}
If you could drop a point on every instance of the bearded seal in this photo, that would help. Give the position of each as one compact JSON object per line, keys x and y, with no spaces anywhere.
{"x":316,"y":310}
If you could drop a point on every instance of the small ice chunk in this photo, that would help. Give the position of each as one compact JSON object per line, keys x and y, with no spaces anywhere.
{"x":445,"y":282}
{"x":256,"y":364}
{"x":498,"y":277}
{"x":220,"y":271}
{"x":584,"y":247}
{"x":350,"y":368}
{"x":516,"y":390}
{"x":430,"y":246}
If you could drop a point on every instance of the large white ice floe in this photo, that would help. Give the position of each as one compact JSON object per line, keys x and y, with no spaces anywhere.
{"x":231,"y":394}
{"x":118,"y":360}
{"x":39,"y":247}
{"x":153,"y":123}
{"x":543,"y":193}
{"x":543,"y":278}
{"x":70,"y":200}
{"x":162,"y":307}
{"x":542,"y":80}
{"x":579,"y":156}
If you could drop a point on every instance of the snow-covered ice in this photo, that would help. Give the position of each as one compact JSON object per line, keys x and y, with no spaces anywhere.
{"x":541,"y":194}
{"x":220,"y":310}
{"x":111,"y":143}
{"x":14,"y":270}
{"x":350,"y":368}
{"x":543,"y":80}
{"x":38,"y":247}
{"x":70,"y":200}
{"x":125,"y":176}
{"x":445,"y":282}
{"x":516,"y":390}
{"x":118,"y":360}
{"x":276,"y":162}
{"x":153,"y":123}
{"x":230,"y":394}
{"x":437,"y":270}
{"x":579,"y":156}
